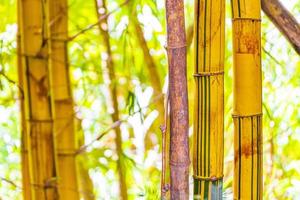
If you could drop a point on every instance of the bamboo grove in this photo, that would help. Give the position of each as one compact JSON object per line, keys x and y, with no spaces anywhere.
{"x":189,"y":139}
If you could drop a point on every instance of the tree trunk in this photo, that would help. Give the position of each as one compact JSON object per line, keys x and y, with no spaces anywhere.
{"x":247,"y":98}
{"x":62,"y":100}
{"x":100,"y":4}
{"x":24,"y":144}
{"x":284,"y":21}
{"x":37,"y":101}
{"x":179,"y":146}
{"x":209,"y":99}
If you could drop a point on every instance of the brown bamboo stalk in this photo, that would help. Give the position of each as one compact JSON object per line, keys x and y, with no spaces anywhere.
{"x":24,"y":144}
{"x":284,"y":21}
{"x":101,"y":5}
{"x":179,"y":123}
{"x":62,"y":100}
{"x":39,"y":127}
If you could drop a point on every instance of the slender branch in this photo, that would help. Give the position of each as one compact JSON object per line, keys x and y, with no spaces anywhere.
{"x":12,"y":82}
{"x":116,"y":124}
{"x":10,"y":182}
{"x":284,"y":21}
{"x":100,"y":19}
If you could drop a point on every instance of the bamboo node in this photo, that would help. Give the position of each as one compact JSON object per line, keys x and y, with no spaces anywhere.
{"x":179,"y":164}
{"x":166,"y":188}
{"x":66,"y":152}
{"x":163,"y":129}
{"x":203,"y":74}
{"x":244,"y":116}
{"x":208,"y":178}
{"x":167,"y":47}
{"x":245,"y":19}
{"x":40,"y":120}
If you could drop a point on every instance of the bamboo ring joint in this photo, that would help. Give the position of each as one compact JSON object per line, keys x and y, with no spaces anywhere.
{"x":179,"y":164}
{"x":245,"y":19}
{"x":208,"y":178}
{"x":244,"y":116}
{"x":167,"y":47}
{"x":203,"y":74}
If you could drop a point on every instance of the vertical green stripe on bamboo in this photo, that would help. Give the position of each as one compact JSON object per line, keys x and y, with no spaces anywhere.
{"x":209,"y":108}
{"x":247,"y":93}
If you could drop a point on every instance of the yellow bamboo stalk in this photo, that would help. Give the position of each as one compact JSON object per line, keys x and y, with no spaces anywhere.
{"x":209,"y":100}
{"x":24,"y":144}
{"x":154,"y":76}
{"x":62,"y":100}
{"x":85,"y":183}
{"x":149,"y":61}
{"x":101,"y":5}
{"x":38,"y":115}
{"x":247,"y":93}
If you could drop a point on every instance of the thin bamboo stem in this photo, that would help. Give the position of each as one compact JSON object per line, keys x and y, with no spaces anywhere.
{"x":24,"y":144}
{"x":247,"y":95}
{"x":101,"y":5}
{"x":85,"y":183}
{"x":62,"y":109}
{"x":209,"y":100}
{"x":179,"y":123}
{"x":39,"y":126}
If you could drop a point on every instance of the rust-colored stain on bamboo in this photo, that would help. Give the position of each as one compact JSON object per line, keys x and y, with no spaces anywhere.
{"x":179,"y":147}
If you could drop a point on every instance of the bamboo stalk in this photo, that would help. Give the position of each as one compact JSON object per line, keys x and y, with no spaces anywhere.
{"x":209,"y":99}
{"x":101,"y":5}
{"x":39,"y":127}
{"x":62,"y":100}
{"x":179,"y":123}
{"x":24,"y":144}
{"x":149,"y":61}
{"x":150,"y":64}
{"x":85,"y":183}
{"x":284,"y":21}
{"x":247,"y":95}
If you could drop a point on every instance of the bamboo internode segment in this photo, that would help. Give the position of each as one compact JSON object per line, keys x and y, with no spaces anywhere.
{"x":62,"y":109}
{"x":209,"y":100}
{"x":247,"y":109}
{"x":179,"y":123}
{"x":39,"y":127}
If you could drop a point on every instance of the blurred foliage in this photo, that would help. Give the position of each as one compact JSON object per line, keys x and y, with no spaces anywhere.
{"x":281,"y":94}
